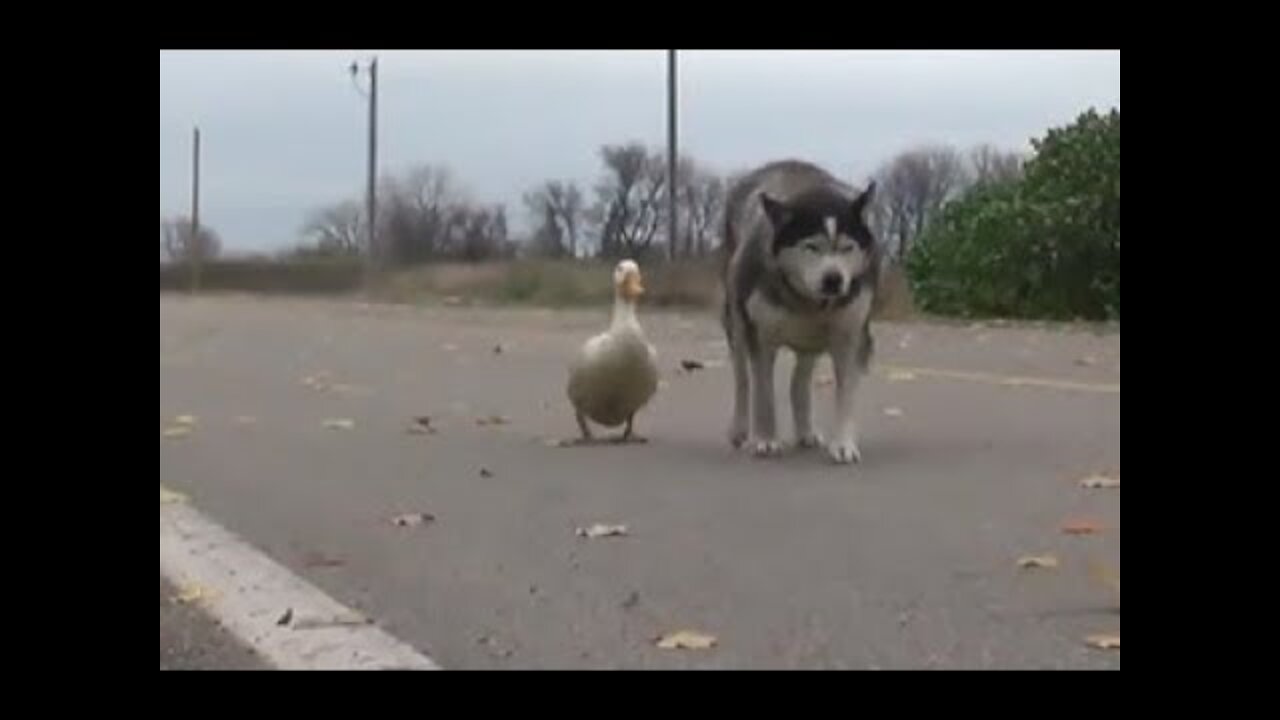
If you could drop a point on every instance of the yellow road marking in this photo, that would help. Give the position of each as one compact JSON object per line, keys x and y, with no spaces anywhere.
{"x":1006,"y":380}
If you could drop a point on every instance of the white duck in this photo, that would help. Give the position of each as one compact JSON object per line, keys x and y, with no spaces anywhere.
{"x":615,"y":373}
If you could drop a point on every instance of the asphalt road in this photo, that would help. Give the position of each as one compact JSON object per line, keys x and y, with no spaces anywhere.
{"x":974,"y":441}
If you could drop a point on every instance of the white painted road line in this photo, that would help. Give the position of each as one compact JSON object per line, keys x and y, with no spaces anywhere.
{"x":248,"y":593}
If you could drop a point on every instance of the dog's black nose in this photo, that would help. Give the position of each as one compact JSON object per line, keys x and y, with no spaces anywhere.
{"x":832,"y":283}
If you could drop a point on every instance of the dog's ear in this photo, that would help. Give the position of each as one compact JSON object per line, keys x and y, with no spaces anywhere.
{"x":777,"y":212}
{"x":863,"y":201}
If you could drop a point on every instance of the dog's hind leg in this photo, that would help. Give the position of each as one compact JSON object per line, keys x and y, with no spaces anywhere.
{"x":738,"y":425}
{"x":802,"y":400}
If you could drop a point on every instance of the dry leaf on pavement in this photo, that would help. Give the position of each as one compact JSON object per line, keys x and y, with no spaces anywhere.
{"x":412,"y":519}
{"x":1038,"y":561}
{"x":1103,"y":641}
{"x":599,"y":530}
{"x":1081,"y":527}
{"x":1100,"y":481}
{"x":169,"y":497}
{"x":686,"y":640}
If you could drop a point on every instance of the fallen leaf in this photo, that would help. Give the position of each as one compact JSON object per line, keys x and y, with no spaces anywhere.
{"x":497,"y":349}
{"x":176,"y":432}
{"x":691,"y":365}
{"x":185,"y":420}
{"x":348,"y":618}
{"x":486,"y":473}
{"x":559,"y":442}
{"x":319,"y":560}
{"x":286,"y":617}
{"x":339,"y":424}
{"x":1100,"y":481}
{"x":598,"y":530}
{"x":493,"y":420}
{"x":1081,"y":527}
{"x":893,"y":411}
{"x":1087,"y":361}
{"x":1103,"y":641}
{"x":631,"y":600}
{"x":686,"y":640}
{"x":421,"y":425}
{"x":901,"y":375}
{"x":193,"y":593}
{"x":169,"y":497}
{"x":1048,"y":562}
{"x":412,"y":519}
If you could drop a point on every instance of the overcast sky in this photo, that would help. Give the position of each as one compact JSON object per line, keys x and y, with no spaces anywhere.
{"x":284,"y":131}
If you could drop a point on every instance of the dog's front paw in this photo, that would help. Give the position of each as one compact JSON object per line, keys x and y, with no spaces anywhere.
{"x":845,"y":451}
{"x":766,"y":448}
{"x":809,"y":440}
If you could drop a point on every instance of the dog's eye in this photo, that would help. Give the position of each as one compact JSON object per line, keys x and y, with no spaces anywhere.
{"x":846,"y":249}
{"x":813,"y":249}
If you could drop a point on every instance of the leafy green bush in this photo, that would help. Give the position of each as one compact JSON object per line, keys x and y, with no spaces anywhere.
{"x":1044,"y":246}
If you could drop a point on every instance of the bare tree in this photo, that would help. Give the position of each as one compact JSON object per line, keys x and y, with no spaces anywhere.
{"x":178,"y":247}
{"x":484,"y":233}
{"x":630,"y":202}
{"x":912,"y":188}
{"x":548,"y":238}
{"x":557,"y":207}
{"x":422,"y":215}
{"x":702,"y":196}
{"x":988,"y":164}
{"x":336,"y":229}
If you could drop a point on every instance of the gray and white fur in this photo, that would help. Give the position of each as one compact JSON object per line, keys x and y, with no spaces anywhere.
{"x":800,"y":269}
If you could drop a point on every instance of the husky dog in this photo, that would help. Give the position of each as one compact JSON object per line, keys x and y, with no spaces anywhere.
{"x":800,"y":269}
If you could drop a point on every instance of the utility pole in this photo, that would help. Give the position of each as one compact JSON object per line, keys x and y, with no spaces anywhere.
{"x":371,"y":192}
{"x":372,"y":198}
{"x":194,"y":249}
{"x":672,"y":223}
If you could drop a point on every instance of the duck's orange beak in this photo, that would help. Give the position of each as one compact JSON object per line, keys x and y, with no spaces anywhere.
{"x":632,"y":287}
